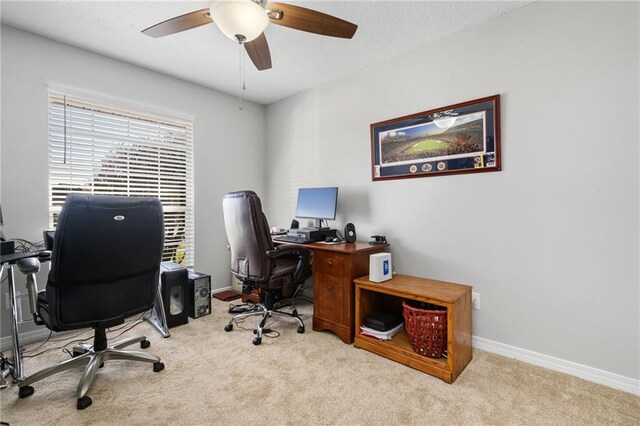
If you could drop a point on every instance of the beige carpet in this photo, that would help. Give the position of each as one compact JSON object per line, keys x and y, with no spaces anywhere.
{"x":214,"y":377}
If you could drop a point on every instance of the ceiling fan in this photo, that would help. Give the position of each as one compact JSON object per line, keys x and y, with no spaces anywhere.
{"x":244,"y":21}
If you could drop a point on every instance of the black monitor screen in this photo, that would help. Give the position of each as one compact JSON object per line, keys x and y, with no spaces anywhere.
{"x":317,"y":203}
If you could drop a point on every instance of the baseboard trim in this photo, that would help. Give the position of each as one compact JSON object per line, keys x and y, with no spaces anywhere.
{"x":591,"y":374}
{"x":219,"y":290}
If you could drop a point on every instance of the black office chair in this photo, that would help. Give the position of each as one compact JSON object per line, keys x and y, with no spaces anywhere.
{"x":104,"y":268}
{"x":277,"y":272}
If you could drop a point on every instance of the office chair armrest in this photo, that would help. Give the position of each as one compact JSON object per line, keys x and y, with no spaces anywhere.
{"x":44,"y":256}
{"x":30,"y":267}
{"x":303,"y":254}
{"x":286,"y":250}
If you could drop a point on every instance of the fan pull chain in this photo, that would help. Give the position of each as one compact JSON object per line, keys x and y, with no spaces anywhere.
{"x":243,"y":85}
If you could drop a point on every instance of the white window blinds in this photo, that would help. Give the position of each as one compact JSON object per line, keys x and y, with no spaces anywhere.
{"x":96,"y":148}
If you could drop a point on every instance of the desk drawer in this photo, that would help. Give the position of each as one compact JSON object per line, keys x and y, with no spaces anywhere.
{"x":328,"y":292}
{"x":329,"y":263}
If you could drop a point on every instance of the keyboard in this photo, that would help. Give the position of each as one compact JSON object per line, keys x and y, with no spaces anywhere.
{"x":292,"y":239}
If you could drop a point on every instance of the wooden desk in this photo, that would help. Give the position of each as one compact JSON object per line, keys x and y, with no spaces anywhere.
{"x":334,"y":269}
{"x":388,"y":296}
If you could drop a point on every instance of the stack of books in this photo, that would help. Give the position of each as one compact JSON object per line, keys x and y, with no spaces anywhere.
{"x":381,"y":335}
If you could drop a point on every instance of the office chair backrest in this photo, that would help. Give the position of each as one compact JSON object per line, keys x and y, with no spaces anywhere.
{"x":106,"y":258}
{"x":248,"y":235}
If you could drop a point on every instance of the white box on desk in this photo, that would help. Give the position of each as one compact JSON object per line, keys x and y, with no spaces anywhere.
{"x":380,"y":267}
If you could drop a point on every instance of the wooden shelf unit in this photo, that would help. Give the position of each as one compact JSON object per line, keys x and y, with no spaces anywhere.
{"x":388,"y":296}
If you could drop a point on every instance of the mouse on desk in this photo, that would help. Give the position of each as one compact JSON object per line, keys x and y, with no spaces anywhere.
{"x":333,"y":239}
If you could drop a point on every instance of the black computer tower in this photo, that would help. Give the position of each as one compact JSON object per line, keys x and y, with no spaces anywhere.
{"x":199,"y":303}
{"x":174,"y":281}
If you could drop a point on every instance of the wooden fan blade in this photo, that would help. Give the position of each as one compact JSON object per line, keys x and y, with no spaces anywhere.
{"x":258,"y":51}
{"x":179,"y":23}
{"x":311,"y":21}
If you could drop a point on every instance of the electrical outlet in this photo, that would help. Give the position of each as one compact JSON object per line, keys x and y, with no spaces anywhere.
{"x":475,"y":301}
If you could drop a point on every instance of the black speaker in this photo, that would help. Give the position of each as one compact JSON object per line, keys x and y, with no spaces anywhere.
{"x":295,"y":224}
{"x":350,"y":233}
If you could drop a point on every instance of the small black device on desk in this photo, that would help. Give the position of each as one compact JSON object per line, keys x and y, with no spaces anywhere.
{"x":7,"y":247}
{"x":332,"y":240}
{"x":378,"y":239}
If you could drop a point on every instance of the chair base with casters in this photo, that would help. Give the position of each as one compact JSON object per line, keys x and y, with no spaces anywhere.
{"x":94,"y":356}
{"x":266,"y":311}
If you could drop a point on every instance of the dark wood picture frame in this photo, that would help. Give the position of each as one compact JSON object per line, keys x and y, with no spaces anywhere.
{"x":459,"y":138}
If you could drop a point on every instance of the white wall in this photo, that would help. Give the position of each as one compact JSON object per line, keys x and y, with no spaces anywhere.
{"x":550,"y":242}
{"x":223,"y":136}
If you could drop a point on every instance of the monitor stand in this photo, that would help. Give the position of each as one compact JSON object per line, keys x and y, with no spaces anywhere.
{"x":317,"y":225}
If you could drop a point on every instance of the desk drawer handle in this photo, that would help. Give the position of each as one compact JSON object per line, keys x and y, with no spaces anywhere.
{"x":330,"y":288}
{"x":330,"y":263}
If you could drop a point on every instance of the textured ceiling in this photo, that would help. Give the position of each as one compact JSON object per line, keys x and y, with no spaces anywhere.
{"x":205,"y":56}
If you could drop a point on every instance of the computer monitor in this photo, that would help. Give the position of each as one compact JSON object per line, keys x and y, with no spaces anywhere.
{"x":317,"y":204}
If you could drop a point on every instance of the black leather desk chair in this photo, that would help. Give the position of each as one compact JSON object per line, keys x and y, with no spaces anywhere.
{"x":277,"y":272}
{"x":104,"y":268}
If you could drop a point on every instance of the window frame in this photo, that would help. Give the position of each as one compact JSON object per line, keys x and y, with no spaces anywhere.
{"x":99,"y":137}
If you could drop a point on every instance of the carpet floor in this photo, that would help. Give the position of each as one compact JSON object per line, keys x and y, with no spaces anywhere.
{"x":215,"y":377}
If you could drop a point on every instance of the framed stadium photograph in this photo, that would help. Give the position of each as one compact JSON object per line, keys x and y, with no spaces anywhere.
{"x":460,"y":138}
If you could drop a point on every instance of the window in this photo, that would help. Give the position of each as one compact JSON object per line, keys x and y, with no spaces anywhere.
{"x":96,"y":148}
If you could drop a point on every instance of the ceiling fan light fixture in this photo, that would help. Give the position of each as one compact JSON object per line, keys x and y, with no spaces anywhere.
{"x":240,"y":20}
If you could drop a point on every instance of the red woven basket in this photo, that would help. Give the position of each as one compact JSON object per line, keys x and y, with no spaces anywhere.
{"x":426,"y":327}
